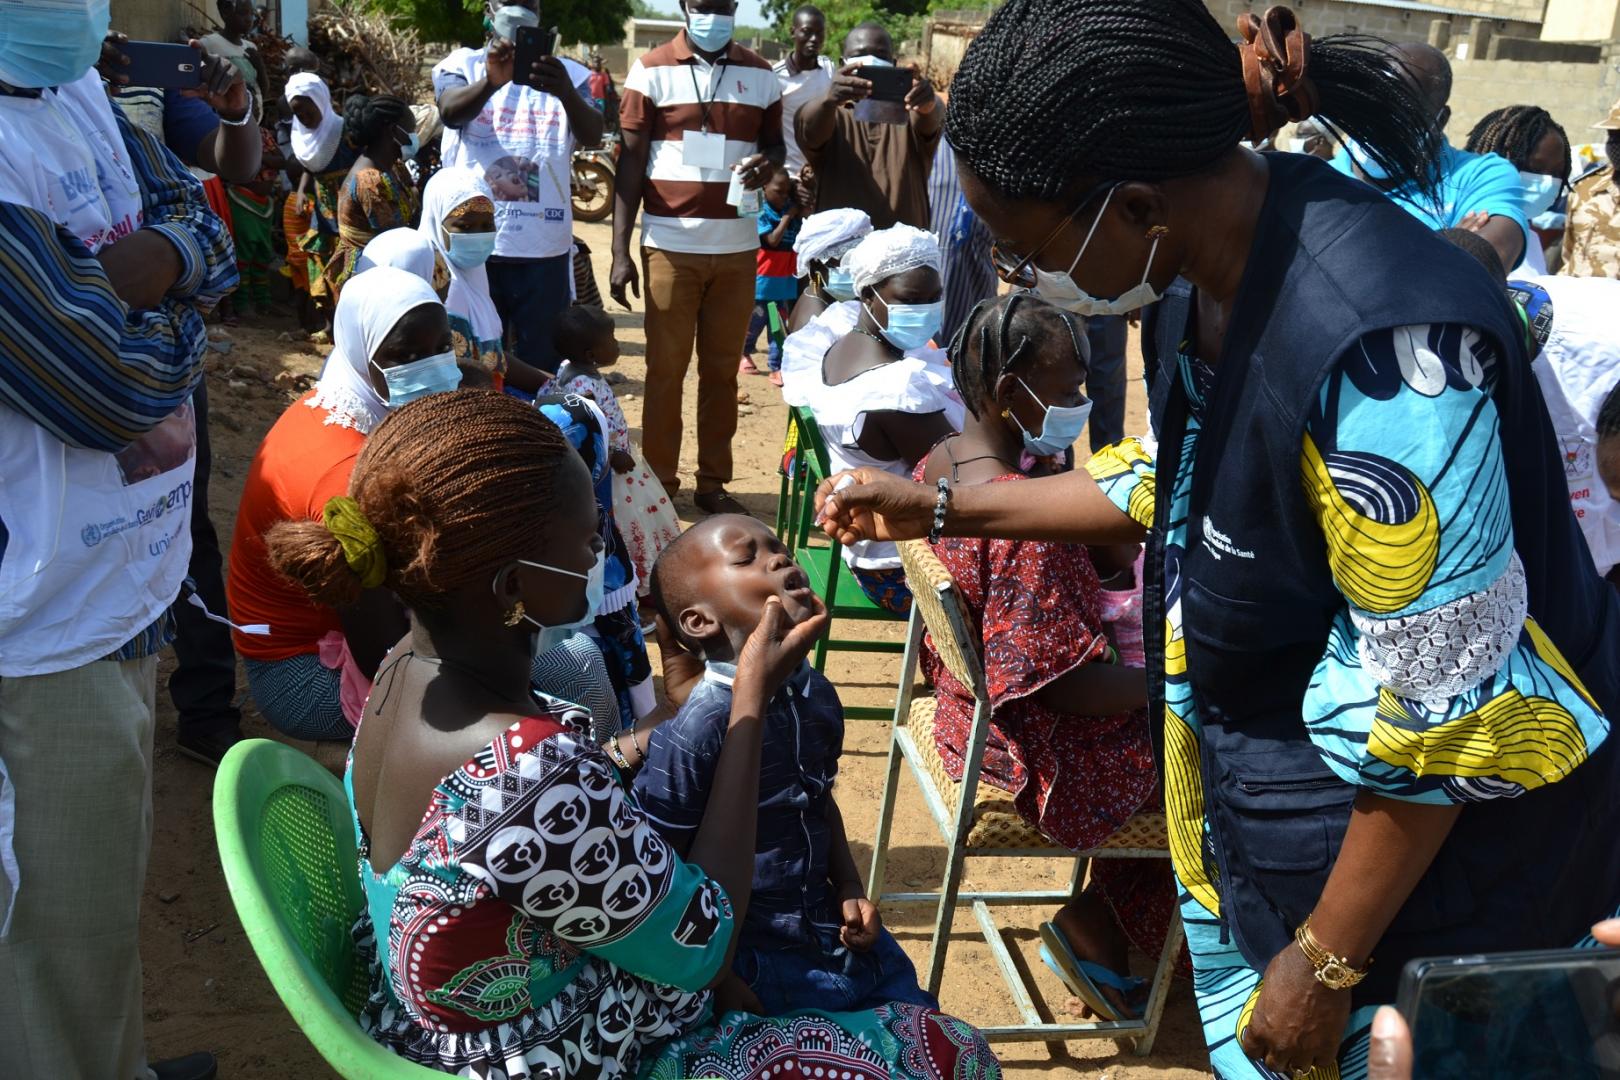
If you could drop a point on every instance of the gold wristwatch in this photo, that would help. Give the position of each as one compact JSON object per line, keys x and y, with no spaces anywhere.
{"x":1333,"y":972}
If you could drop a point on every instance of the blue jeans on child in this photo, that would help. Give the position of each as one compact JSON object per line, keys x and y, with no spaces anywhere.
{"x":834,"y":980}
{"x":758,"y":322}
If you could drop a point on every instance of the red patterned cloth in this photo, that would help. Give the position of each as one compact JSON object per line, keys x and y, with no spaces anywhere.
{"x":1075,"y":778}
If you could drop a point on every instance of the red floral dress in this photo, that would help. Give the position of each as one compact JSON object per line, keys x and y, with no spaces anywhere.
{"x":1075,"y":778}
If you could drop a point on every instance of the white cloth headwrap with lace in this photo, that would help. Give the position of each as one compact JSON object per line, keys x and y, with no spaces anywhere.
{"x":314,"y":146}
{"x":371,"y":304}
{"x":830,"y":235}
{"x":888,"y":252}
{"x":449,"y":188}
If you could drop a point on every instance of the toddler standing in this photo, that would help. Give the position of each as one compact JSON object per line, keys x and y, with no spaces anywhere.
{"x":776,"y":281}
{"x":584,"y":340}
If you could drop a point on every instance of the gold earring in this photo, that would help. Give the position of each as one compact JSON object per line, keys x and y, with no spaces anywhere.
{"x":1158,"y":232}
{"x":1006,"y":414}
{"x":515,"y":616}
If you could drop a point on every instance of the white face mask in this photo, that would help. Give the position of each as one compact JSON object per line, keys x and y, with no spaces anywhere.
{"x":546,"y":637}
{"x":1058,"y":287}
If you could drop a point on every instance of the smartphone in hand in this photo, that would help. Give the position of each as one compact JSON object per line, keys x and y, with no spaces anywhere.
{"x":162,"y":65}
{"x":532,"y":44}
{"x":888,"y":83}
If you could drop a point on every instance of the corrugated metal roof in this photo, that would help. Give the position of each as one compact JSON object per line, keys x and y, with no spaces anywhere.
{"x":1432,"y":9}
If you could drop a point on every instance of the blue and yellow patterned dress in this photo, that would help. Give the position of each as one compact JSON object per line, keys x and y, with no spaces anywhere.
{"x":1435,"y":686}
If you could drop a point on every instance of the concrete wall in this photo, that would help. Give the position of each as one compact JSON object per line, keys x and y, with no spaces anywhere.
{"x":1577,"y":95}
{"x":1323,"y":17}
{"x":161,"y":20}
{"x":1581,"y":20}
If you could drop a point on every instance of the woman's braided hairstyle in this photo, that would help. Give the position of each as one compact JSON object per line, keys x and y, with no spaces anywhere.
{"x":1056,"y":95}
{"x":456,"y":485}
{"x":1017,"y":329}
{"x":367,"y":119}
{"x":1514,"y":132}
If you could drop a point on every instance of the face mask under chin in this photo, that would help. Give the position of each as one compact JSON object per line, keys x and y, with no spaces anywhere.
{"x":1060,"y":289}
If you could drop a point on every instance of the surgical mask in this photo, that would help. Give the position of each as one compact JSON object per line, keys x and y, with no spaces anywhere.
{"x":1060,"y":427}
{"x":1297,"y":146}
{"x":1551,"y":221}
{"x":549,"y":637}
{"x":51,"y":42}
{"x":419,"y":378}
{"x":409,"y":147}
{"x":1363,"y":161}
{"x":1057,"y":287}
{"x":911,"y":326}
{"x":467,"y":250}
{"x":506,"y":20}
{"x":1540,"y":192}
{"x":868,"y":61}
{"x":839,"y":284}
{"x":711,"y":33}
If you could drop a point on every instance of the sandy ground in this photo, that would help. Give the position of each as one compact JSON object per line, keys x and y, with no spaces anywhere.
{"x":204,"y":987}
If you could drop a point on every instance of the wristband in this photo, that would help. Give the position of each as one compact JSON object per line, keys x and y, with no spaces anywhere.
{"x":243,"y":122}
{"x":618,"y":755}
{"x":941,"y":502}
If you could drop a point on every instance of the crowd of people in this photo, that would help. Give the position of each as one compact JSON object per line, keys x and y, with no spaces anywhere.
{"x":1344,"y":613}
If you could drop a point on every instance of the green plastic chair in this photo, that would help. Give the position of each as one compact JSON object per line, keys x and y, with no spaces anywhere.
{"x":822,"y":558}
{"x":287,"y":845}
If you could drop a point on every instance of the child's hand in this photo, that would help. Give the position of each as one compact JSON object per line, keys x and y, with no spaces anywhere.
{"x":734,"y":995}
{"x":777,"y":647}
{"x":862,"y":923}
{"x":621,"y":461}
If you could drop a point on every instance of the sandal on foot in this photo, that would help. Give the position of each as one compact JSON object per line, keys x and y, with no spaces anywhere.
{"x":1084,"y":978}
{"x":746,"y":367}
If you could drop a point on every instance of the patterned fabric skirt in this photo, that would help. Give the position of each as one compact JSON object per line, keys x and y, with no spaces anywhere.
{"x":300,"y":696}
{"x":295,"y":225}
{"x":885,"y":588}
{"x":645,"y":517}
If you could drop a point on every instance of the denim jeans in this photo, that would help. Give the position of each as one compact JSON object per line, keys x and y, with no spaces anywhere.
{"x":1105,"y":385}
{"x":837,"y":980}
{"x":760,"y":323}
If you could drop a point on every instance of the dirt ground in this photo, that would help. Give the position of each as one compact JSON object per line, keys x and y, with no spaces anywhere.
{"x":204,"y":987}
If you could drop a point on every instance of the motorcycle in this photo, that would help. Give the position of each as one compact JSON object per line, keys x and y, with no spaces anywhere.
{"x":592,"y":179}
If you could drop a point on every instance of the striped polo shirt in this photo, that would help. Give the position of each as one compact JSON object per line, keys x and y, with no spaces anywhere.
{"x":667,"y":94}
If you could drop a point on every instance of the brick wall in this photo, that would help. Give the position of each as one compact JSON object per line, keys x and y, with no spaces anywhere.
{"x":1577,"y":95}
{"x":1323,"y":17}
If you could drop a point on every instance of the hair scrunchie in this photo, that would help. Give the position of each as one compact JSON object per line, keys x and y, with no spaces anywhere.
{"x":362,"y":547}
{"x":1276,"y":71}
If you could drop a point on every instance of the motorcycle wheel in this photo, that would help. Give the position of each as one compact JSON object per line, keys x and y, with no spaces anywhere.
{"x":593,"y":191}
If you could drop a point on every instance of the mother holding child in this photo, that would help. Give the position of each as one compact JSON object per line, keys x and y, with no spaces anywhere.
{"x":523,"y":918}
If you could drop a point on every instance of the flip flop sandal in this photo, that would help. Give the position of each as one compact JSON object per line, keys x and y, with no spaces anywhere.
{"x":746,"y":367}
{"x":1084,"y":978}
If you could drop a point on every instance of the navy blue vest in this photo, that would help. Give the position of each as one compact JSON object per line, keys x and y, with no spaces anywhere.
{"x":1333,"y":260}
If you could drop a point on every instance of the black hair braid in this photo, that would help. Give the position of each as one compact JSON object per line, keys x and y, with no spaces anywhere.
{"x":367,"y":119}
{"x":1001,"y":333}
{"x":1514,"y":132}
{"x":1055,"y":95}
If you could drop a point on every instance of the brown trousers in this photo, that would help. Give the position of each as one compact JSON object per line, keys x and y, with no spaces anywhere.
{"x":706,"y":299}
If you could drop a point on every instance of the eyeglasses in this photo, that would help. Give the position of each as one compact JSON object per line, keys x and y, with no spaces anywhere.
{"x":1020,"y":271}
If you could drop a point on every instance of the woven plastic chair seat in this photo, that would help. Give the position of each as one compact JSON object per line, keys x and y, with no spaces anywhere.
{"x":996,"y":821}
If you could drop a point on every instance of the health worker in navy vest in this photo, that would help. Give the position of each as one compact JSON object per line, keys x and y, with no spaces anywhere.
{"x":1386,"y":655}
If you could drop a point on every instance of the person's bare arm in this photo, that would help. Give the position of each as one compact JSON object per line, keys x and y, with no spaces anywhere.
{"x":1502,"y":232}
{"x":773,"y":239}
{"x":142,"y":267}
{"x":682,"y":671}
{"x":898,"y":436}
{"x":628,"y":184}
{"x":922,"y":108}
{"x":459,"y":105}
{"x":842,"y":872}
{"x":1068,"y":508}
{"x":1096,"y":689}
{"x":551,"y":76}
{"x":819,"y":119}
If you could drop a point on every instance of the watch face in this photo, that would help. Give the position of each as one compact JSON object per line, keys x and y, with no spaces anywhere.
{"x":1335,"y":976}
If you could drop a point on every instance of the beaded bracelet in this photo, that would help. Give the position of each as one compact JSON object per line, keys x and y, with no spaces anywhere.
{"x":641,"y":755}
{"x":228,"y":122}
{"x":941,"y":501}
{"x":617,"y":754}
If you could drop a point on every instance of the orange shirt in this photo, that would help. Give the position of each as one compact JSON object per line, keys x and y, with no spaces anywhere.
{"x":302,"y":463}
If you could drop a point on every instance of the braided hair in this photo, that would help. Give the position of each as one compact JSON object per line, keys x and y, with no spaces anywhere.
{"x":456,"y":485}
{"x":1005,"y":332}
{"x":1057,"y":95}
{"x":1514,"y":132}
{"x":368,"y":119}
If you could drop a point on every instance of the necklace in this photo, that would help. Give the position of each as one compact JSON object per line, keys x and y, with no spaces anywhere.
{"x":888,"y":345}
{"x":955,"y":464}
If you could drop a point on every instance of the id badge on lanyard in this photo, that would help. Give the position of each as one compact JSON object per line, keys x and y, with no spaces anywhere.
{"x":704,"y":149}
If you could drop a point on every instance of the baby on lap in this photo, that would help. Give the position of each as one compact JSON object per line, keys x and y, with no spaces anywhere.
{"x":811,"y":938}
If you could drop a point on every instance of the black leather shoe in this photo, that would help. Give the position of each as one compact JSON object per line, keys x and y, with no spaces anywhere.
{"x":200,"y":1066}
{"x":208,"y":747}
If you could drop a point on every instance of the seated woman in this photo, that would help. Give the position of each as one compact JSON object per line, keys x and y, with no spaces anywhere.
{"x":878,"y":386}
{"x":522,"y":918}
{"x":1069,"y":734}
{"x":824,"y":239}
{"x":310,"y":673}
{"x":408,"y":250}
{"x":378,"y":194}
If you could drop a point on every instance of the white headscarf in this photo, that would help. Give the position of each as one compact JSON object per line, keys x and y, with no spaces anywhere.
{"x":830,"y":234}
{"x":403,"y":248}
{"x":315,"y":146}
{"x":888,"y":252}
{"x":370,"y":306}
{"x":469,"y":288}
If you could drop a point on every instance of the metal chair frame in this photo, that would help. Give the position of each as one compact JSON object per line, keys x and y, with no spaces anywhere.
{"x":939,"y":609}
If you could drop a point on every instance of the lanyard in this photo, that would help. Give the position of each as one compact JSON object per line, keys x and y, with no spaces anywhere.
{"x":714,"y":87}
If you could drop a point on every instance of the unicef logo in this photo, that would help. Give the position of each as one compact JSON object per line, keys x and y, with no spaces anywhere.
{"x":90,"y":534}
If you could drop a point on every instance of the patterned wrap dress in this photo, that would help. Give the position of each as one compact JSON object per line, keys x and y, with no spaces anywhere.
{"x":1435,"y":686}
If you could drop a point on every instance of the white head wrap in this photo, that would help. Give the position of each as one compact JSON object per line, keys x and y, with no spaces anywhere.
{"x":370,"y":306}
{"x":468,"y":298}
{"x":403,"y":249}
{"x":315,"y":146}
{"x":888,"y":252}
{"x":829,"y":235}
